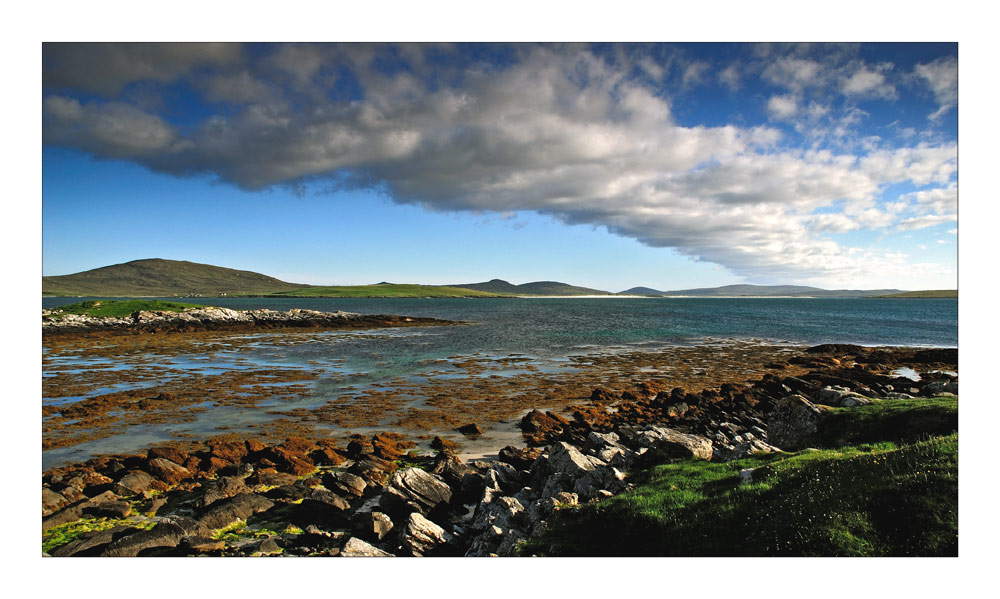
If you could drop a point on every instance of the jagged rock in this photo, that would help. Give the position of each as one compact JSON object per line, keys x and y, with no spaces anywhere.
{"x":177,"y":456}
{"x":89,"y":544}
{"x":202,"y":544}
{"x":372,"y":525}
{"x":421,"y":536}
{"x":668,"y":443}
{"x":355,"y":547}
{"x":793,"y":420}
{"x":897,"y":395}
{"x":52,"y":501}
{"x":504,"y":477}
{"x":838,"y":396}
{"x":375,"y":471}
{"x":75,"y":511}
{"x":225,"y":512}
{"x":518,"y":458}
{"x":414,"y":489}
{"x":470,"y":429}
{"x":268,"y":546}
{"x":937,"y":387}
{"x":854,"y":400}
{"x":345,"y":482}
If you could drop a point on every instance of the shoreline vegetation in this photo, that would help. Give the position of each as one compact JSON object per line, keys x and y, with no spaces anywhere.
{"x":846,"y":457}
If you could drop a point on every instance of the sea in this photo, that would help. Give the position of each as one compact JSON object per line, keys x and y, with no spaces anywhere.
{"x":546,"y":331}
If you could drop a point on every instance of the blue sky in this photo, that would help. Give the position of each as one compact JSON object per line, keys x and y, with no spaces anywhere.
{"x":604,"y":165}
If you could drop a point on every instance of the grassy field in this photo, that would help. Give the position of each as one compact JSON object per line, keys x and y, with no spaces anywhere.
{"x":883,"y":498}
{"x":384,"y":290}
{"x":121,"y":308}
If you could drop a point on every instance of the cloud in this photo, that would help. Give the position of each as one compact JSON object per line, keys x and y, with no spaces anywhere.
{"x":560,"y":130}
{"x":869,"y":82}
{"x":941,"y":76}
{"x":105,"y":68}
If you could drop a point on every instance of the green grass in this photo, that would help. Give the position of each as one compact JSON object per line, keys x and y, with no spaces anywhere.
{"x":384,"y":290}
{"x":880,"y":499}
{"x":120,"y":308}
{"x":888,"y":420}
{"x":885,"y":483}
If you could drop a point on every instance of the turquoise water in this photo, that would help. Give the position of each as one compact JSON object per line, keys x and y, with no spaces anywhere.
{"x":550,"y":326}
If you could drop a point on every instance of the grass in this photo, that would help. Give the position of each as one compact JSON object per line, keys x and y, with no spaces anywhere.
{"x":384,"y":290}
{"x":891,"y":491}
{"x":929,"y":293}
{"x":119,"y":309}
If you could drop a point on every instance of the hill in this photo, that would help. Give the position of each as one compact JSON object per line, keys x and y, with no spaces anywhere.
{"x":953,"y":293}
{"x":383,"y":290}
{"x":163,"y":278}
{"x":640,"y":291}
{"x":502,"y":287}
{"x":779,"y":290}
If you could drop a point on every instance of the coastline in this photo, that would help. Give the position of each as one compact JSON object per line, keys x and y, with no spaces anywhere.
{"x":375,"y":470}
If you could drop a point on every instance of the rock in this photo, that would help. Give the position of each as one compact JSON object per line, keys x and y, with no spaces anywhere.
{"x":470,"y":429}
{"x":503,"y":477}
{"x":228,"y":511}
{"x":135,"y":482}
{"x":202,"y":544}
{"x":793,"y":420}
{"x":668,"y":443}
{"x":390,"y":446}
{"x":375,"y":471}
{"x":854,"y":400}
{"x":109,"y":509}
{"x":414,"y":489}
{"x":164,"y":534}
{"x":265,"y":478}
{"x":52,"y":501}
{"x":518,"y":458}
{"x":538,"y":422}
{"x":167,"y":471}
{"x":222,"y":488}
{"x":326,"y":456}
{"x":596,"y":440}
{"x":444,"y":445}
{"x":937,"y":387}
{"x":355,"y":547}
{"x":268,"y":546}
{"x":89,"y":544}
{"x":74,"y":511}
{"x":373,"y":525}
{"x":177,"y":456}
{"x":421,"y":536}
{"x":345,"y":482}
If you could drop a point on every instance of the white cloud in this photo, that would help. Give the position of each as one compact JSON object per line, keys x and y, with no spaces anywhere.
{"x":867,"y":81}
{"x":560,"y":132}
{"x":941,"y":76}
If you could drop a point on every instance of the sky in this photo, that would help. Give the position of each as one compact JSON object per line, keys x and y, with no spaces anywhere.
{"x":607,"y":165}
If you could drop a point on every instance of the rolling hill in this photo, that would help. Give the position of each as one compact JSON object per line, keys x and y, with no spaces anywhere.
{"x":163,"y":278}
{"x":502,"y":287}
{"x":778,"y":290}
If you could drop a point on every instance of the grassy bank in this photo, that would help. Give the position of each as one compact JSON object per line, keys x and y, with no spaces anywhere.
{"x":119,"y":309}
{"x":893,"y":497}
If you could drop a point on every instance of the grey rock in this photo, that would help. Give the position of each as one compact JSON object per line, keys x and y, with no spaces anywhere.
{"x":52,"y":501}
{"x":109,"y":509}
{"x":355,"y":547}
{"x":668,"y":443}
{"x":793,"y":420}
{"x":136,"y":482}
{"x":345,"y":482}
{"x":414,"y":490}
{"x":222,"y":488}
{"x":164,"y":534}
{"x":420,"y":536}
{"x":91,"y":543}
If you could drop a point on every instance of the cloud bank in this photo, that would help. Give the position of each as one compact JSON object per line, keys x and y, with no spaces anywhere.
{"x":589,"y":137}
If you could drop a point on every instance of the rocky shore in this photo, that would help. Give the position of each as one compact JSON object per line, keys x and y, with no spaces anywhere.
{"x":212,"y":318}
{"x":376,"y":497}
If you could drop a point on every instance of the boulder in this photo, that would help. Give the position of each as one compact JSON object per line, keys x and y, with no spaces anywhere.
{"x":135,"y":482}
{"x":415,"y":490}
{"x":355,"y":547}
{"x":164,"y":534}
{"x":109,"y":509}
{"x":167,"y":471}
{"x":667,"y":443}
{"x":372,"y":525}
{"x":420,"y":536}
{"x":228,"y":511}
{"x":222,"y":488}
{"x":936,"y":387}
{"x":52,"y":501}
{"x":373,"y":470}
{"x":177,"y":456}
{"x":470,"y":429}
{"x":345,"y":483}
{"x":89,"y":544}
{"x":793,"y":420}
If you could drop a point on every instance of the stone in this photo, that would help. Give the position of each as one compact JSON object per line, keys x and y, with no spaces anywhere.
{"x":355,"y":547}
{"x":414,"y":489}
{"x":668,"y":443}
{"x":135,"y":482}
{"x":88,"y":544}
{"x":268,"y":546}
{"x":164,"y":534}
{"x":109,"y":509}
{"x":442,"y":444}
{"x":167,"y":471}
{"x":373,"y":525}
{"x":228,"y":511}
{"x":177,"y":456}
{"x":536,"y":421}
{"x":375,"y":471}
{"x":74,"y":511}
{"x":345,"y":483}
{"x":793,"y":420}
{"x":420,"y":536}
{"x":470,"y":429}
{"x":202,"y":544}
{"x":937,"y":387}
{"x":52,"y":501}
{"x":222,"y":488}
{"x":518,"y":458}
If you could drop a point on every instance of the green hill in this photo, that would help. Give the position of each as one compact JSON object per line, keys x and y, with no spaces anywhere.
{"x":383,"y":290}
{"x":163,"y":278}
{"x":779,"y":290}
{"x":502,"y":287}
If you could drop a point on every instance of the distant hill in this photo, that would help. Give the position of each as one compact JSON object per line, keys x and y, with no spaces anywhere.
{"x":163,"y":278}
{"x":640,"y":291}
{"x":384,"y":290}
{"x":929,"y":293}
{"x":780,"y":290}
{"x":502,"y":287}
